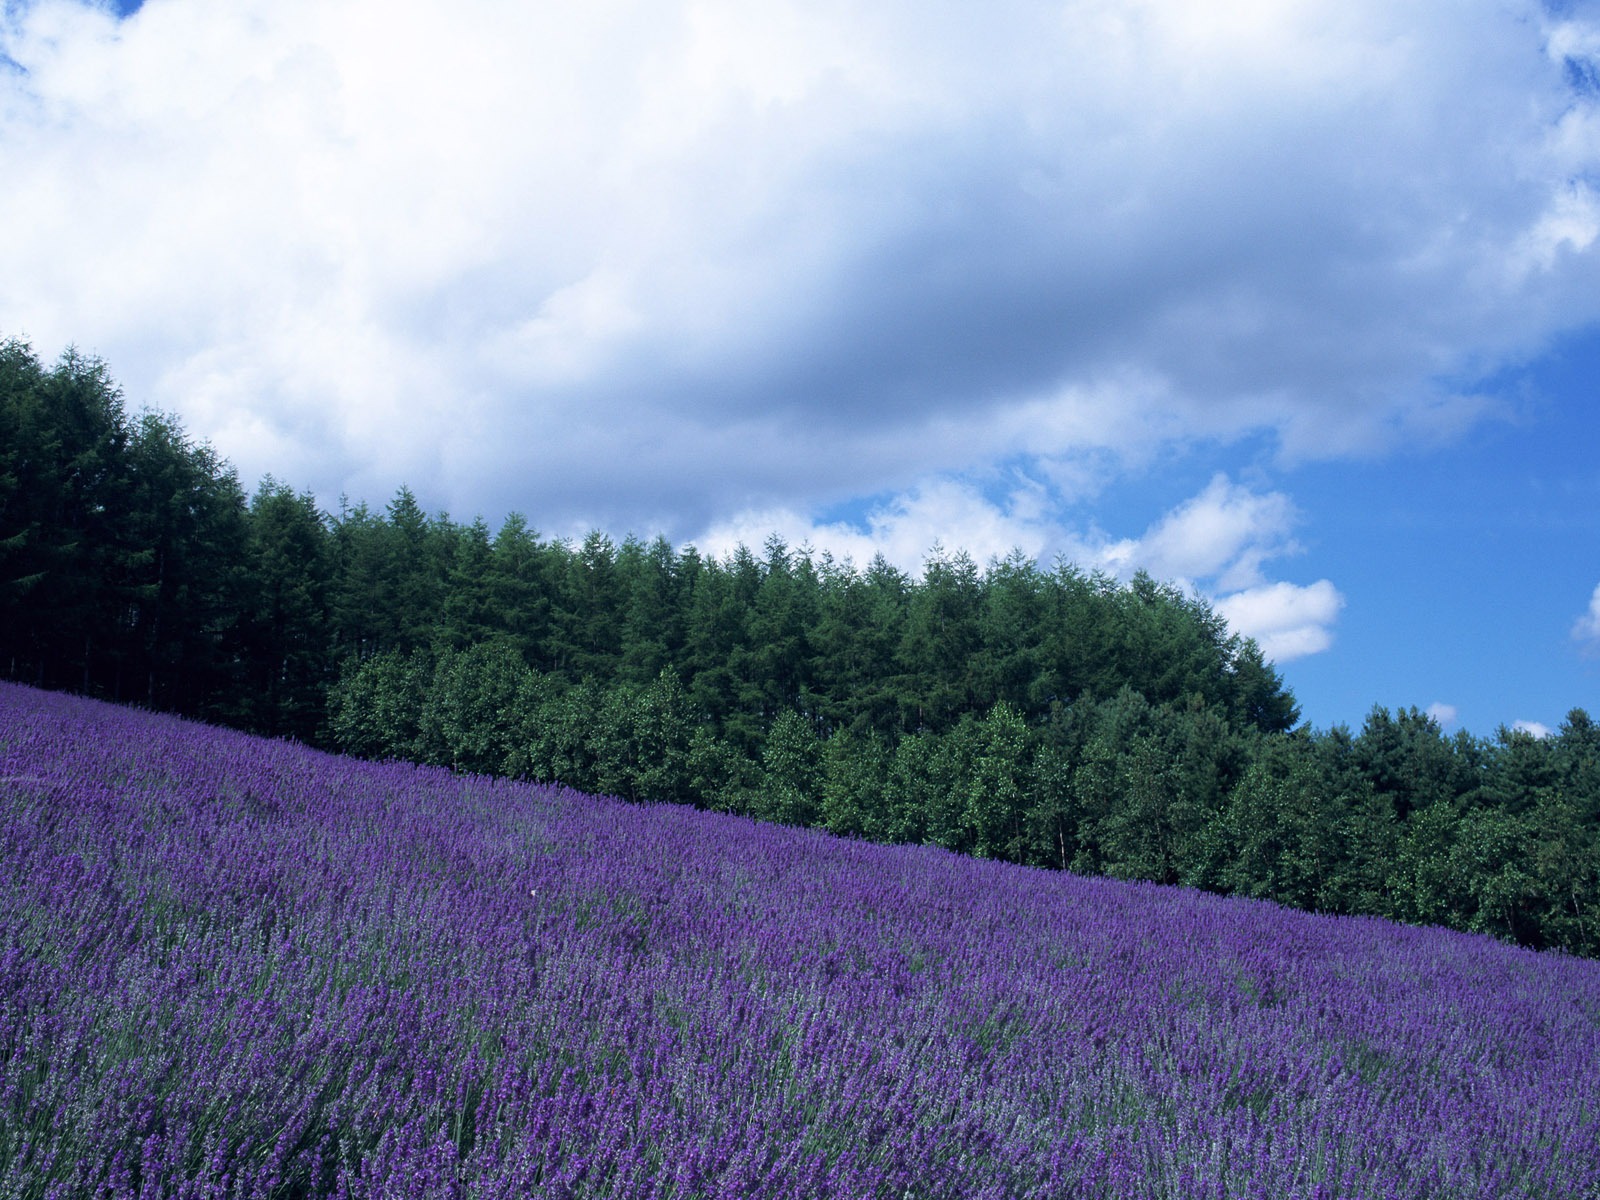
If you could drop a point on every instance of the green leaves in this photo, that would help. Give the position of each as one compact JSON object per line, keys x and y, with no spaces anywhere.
{"x":1050,"y":717}
{"x":997,"y":787}
{"x":792,"y":760}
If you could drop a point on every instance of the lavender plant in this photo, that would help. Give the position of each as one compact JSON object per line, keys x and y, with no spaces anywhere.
{"x":233,"y":967}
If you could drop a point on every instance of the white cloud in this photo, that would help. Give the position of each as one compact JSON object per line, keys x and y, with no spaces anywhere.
{"x":1586,"y":629}
{"x":1224,"y":533}
{"x":1214,"y":544}
{"x":792,"y":252}
{"x":1288,"y":620}
{"x":1444,"y":714}
{"x":947,"y":513}
{"x":1569,"y":225}
{"x":1217,"y":543}
{"x":1537,"y":728}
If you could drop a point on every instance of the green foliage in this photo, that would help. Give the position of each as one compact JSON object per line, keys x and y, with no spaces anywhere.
{"x":1051,"y":817}
{"x":997,"y":786}
{"x":1407,"y":758}
{"x":792,"y":761}
{"x":722,"y":778}
{"x":286,"y":651}
{"x":123,"y":546}
{"x":913,"y":785}
{"x":375,"y":709}
{"x":518,"y":602}
{"x":855,"y":785}
{"x":469,"y":717}
{"x":1279,"y":836}
{"x":1576,"y":755}
{"x":1146,"y":831}
{"x":1056,"y":718}
{"x":565,"y":735}
{"x":469,"y":616}
{"x":1423,"y":887}
{"x":664,"y":725}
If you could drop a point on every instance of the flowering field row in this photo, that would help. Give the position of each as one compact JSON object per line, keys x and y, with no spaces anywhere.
{"x":233,"y":967}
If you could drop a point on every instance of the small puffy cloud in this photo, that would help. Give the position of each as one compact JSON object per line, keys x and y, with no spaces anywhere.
{"x":1586,"y":629}
{"x":1444,"y":714}
{"x":1223,"y":534}
{"x":1536,"y":728}
{"x":1289,"y":621}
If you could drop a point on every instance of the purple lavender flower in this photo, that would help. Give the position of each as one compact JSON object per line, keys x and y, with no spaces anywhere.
{"x":232,"y":967}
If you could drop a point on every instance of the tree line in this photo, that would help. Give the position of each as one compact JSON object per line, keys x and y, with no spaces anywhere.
{"x":1045,"y":716}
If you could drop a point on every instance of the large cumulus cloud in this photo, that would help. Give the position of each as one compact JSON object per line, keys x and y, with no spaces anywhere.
{"x":655,"y":265}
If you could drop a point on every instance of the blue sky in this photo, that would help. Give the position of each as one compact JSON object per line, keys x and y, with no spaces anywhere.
{"x":1293,"y":302}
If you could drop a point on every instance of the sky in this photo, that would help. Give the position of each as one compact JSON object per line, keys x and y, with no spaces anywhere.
{"x":1294,"y":303}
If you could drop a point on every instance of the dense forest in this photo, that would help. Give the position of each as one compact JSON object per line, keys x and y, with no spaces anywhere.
{"x":1045,"y":716}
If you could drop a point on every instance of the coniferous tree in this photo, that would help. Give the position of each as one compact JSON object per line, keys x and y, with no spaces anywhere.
{"x":941,"y":640}
{"x":1057,"y":718}
{"x":1577,"y":762}
{"x":858,"y":629}
{"x":652,"y":634}
{"x":188,"y":532}
{"x":288,"y":650}
{"x":584,"y":639}
{"x":1011,"y":629}
{"x":519,"y":584}
{"x":1407,"y":758}
{"x":363,"y":621}
{"x":80,"y":603}
{"x":469,"y":611}
{"x":27,"y":468}
{"x":417,"y":555}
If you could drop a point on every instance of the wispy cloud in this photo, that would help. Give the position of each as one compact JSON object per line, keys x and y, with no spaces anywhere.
{"x":1586,"y":629}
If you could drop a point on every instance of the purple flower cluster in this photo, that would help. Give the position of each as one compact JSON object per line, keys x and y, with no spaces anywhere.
{"x":233,"y":967}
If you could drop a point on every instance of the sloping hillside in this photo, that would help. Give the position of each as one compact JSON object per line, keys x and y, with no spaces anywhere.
{"x":234,"y":967}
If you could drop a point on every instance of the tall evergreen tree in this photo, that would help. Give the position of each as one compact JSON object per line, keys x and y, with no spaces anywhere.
{"x":469,"y":609}
{"x":288,"y":644}
{"x":76,"y":611}
{"x":652,"y":625}
{"x":585,"y":627}
{"x":27,"y":470}
{"x":363,"y":621}
{"x":941,"y":641}
{"x":519,"y":587}
{"x":415,"y":566}
{"x":185,"y":534}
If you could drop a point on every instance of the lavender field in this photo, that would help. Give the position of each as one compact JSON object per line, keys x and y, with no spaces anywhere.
{"x":232,"y":967}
